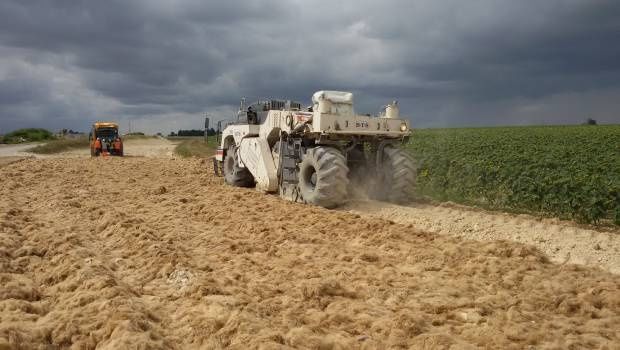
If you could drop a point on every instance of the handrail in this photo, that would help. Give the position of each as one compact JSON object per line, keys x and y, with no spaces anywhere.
{"x":222,"y":124}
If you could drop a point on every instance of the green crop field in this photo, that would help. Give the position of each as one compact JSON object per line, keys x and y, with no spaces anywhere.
{"x":571,"y":172}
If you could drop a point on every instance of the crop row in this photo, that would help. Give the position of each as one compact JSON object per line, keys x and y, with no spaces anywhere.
{"x":564,"y":171}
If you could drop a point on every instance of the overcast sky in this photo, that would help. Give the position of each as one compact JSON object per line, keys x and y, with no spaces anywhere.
{"x":162,"y":64}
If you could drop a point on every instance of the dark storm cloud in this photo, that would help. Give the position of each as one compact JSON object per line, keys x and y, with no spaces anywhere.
{"x":65,"y":63}
{"x":571,"y":49}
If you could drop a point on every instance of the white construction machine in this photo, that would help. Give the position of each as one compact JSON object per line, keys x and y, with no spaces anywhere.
{"x":320,"y":155}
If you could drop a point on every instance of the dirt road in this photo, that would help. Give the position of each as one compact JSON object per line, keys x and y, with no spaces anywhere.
{"x":136,"y":147}
{"x":149,"y":147}
{"x":19,"y":150}
{"x":161,"y":254}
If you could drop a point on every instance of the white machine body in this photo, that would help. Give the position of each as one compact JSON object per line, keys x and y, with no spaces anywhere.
{"x":332,"y":118}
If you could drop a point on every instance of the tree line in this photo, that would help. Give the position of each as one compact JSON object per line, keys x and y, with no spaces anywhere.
{"x":193,"y":132}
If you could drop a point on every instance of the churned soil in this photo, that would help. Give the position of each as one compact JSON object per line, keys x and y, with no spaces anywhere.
{"x":136,"y":252}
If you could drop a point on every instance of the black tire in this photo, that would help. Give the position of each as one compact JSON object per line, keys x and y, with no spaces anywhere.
{"x":234,"y":174}
{"x":323,"y":177}
{"x":399,"y":175}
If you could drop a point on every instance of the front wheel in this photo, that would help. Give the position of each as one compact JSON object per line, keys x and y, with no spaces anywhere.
{"x":234,"y":174}
{"x":323,"y":177}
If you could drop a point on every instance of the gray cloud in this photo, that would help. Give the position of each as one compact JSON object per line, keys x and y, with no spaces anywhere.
{"x":64,"y":64}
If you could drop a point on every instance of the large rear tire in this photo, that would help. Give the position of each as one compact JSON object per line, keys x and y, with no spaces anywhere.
{"x":399,"y":175}
{"x":234,"y":174}
{"x":323,"y":177}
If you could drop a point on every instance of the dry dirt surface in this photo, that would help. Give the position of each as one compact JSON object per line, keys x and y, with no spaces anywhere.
{"x":4,"y":161}
{"x":153,"y":147}
{"x":155,"y":253}
{"x":562,"y":242}
{"x":149,"y":147}
{"x":18,"y":150}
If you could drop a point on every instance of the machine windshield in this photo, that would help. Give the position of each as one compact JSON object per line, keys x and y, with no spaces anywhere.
{"x":107,"y":133}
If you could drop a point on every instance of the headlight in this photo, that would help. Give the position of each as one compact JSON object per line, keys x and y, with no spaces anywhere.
{"x":403,"y":127}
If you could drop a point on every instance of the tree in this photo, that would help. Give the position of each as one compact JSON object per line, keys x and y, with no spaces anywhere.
{"x":193,"y":132}
{"x":590,"y":121}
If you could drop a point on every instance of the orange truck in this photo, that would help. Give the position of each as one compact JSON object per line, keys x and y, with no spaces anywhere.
{"x":105,"y":140}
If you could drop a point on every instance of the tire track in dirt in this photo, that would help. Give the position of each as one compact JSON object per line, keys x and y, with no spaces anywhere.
{"x":158,"y":253}
{"x":562,"y":242}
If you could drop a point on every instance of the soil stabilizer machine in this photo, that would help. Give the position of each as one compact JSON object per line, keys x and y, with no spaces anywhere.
{"x":319,"y":155}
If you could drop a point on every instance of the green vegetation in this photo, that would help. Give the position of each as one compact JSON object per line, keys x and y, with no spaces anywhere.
{"x":192,"y":133}
{"x":60,"y":145}
{"x":27,"y":135}
{"x":564,"y":171}
{"x":194,"y":147}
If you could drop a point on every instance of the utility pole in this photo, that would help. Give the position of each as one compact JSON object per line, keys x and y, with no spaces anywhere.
{"x":206,"y":127}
